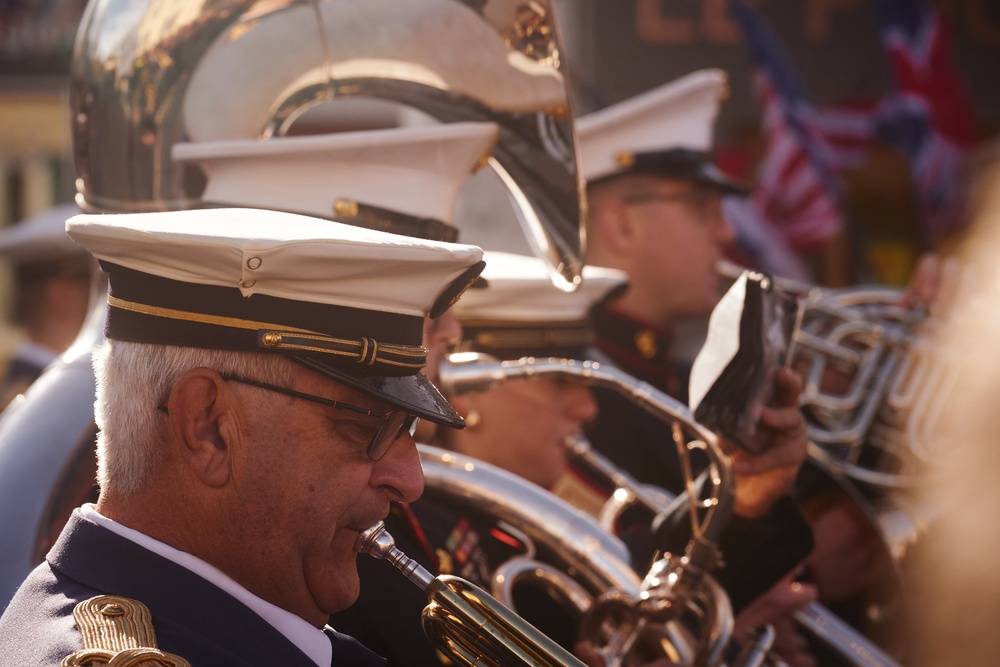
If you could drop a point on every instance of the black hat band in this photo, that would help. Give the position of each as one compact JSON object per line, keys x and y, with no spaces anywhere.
{"x":150,"y":309}
{"x":366,"y":351}
{"x":357,"y":213}
{"x":545,"y":339}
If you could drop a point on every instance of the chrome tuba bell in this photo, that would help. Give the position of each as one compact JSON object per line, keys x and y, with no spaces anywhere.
{"x":147,"y":76}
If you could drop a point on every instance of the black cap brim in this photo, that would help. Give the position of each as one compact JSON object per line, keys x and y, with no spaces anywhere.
{"x":412,"y":393}
{"x":688,"y":165}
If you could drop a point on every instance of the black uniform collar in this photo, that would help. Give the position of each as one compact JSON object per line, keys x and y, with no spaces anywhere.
{"x":636,"y":347}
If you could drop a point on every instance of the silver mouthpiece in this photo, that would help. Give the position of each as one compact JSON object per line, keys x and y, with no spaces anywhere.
{"x":378,"y":543}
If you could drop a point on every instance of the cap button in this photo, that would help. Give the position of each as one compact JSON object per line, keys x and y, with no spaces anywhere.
{"x":254,"y":263}
{"x":345,"y":208}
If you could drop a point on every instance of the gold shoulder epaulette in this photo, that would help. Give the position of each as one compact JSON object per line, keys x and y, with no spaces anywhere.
{"x":118,"y":632}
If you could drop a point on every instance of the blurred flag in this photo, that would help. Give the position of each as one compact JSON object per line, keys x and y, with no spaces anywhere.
{"x":797,"y":191}
{"x":764,"y":248}
{"x":928,"y":116}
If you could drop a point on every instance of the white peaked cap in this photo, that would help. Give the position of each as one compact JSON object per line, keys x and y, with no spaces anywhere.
{"x":413,"y":171}
{"x":279,"y":254}
{"x":518,"y":290}
{"x":40,"y":238}
{"x":679,"y":114}
{"x":344,"y":301}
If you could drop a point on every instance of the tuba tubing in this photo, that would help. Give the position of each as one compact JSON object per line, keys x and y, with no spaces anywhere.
{"x":470,"y":372}
{"x":814,"y":617}
{"x":675,"y":585}
{"x":599,"y":560}
{"x":864,"y":330}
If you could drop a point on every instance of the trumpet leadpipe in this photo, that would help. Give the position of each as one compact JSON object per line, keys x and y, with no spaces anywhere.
{"x":466,"y":622}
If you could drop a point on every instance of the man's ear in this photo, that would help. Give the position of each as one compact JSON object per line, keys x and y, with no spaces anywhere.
{"x":200,"y":409}
{"x":613,"y":226}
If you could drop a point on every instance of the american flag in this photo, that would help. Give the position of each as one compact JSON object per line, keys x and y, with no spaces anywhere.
{"x":928,"y":116}
{"x":797,"y":190}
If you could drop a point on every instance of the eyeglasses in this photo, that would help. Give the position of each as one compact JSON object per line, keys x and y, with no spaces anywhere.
{"x":701,"y":199}
{"x":394,"y":422}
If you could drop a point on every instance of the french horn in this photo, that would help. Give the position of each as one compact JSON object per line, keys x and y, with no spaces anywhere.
{"x":877,"y":390}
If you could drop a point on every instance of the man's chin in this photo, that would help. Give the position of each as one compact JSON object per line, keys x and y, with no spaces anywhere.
{"x":343,"y":594}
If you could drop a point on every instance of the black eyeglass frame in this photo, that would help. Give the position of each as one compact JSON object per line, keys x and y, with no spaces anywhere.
{"x":394,"y":422}
{"x":697,"y":196}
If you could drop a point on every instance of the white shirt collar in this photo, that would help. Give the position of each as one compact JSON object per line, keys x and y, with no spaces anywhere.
{"x":309,"y":639}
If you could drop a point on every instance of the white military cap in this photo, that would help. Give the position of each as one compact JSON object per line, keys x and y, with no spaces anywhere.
{"x":41,"y":238}
{"x":667,"y":130}
{"x":344,"y":301}
{"x":520,"y":312}
{"x":403,"y":180}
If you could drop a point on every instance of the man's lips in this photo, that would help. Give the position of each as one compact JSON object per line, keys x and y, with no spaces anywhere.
{"x":358,"y":528}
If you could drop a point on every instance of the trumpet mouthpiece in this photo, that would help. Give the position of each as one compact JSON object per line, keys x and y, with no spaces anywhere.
{"x":378,"y":543}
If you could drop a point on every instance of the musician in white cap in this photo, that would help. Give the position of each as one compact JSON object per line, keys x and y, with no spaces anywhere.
{"x":655,"y":212}
{"x":520,"y":426}
{"x":256,"y":393}
{"x":403,"y":180}
{"x":51,"y":292}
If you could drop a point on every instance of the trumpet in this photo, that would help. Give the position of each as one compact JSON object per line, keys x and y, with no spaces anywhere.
{"x":464,"y":621}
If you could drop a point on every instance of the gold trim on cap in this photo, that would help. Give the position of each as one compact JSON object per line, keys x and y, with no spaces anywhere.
{"x":279,"y":336}
{"x":493,"y":334}
{"x":625,"y":159}
{"x":347,"y":208}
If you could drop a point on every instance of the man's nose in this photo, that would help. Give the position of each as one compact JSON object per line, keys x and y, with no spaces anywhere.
{"x":399,"y":471}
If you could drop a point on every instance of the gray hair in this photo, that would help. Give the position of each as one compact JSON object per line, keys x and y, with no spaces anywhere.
{"x":133,"y":379}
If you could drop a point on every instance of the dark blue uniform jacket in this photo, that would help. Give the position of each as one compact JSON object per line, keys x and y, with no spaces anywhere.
{"x":192,"y":617}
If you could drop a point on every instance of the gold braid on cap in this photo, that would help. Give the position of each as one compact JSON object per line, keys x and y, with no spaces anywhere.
{"x":117,"y":631}
{"x":365,"y":351}
{"x":533,"y":338}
